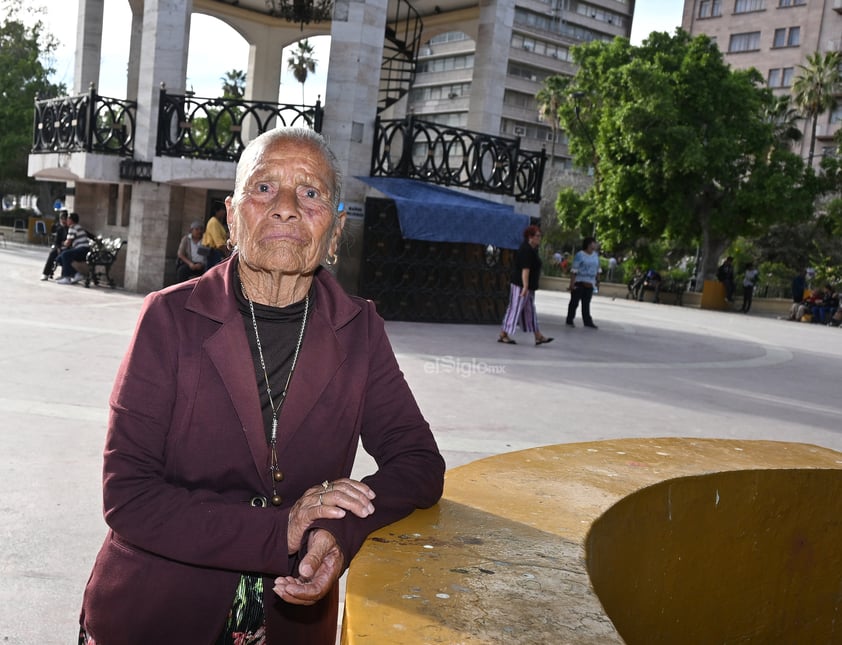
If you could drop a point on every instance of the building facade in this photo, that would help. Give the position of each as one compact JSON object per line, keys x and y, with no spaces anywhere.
{"x":774,"y":37}
{"x":535,"y":43}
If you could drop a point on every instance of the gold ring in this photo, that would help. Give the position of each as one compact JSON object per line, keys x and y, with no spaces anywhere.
{"x":326,"y":485}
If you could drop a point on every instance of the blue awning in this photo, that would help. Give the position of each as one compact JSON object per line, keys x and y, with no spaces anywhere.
{"x":438,"y":214}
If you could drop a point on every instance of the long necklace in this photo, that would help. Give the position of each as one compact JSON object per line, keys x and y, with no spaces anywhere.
{"x":274,"y":471}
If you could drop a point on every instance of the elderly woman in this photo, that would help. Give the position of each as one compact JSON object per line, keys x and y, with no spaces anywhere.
{"x":235,"y":420}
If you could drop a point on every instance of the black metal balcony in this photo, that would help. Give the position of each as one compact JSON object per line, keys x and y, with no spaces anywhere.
{"x":188,"y":126}
{"x":213,"y":128}
{"x":448,"y":156}
{"x":84,"y":123}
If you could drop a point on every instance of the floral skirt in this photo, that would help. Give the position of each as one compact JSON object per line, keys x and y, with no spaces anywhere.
{"x":246,"y":624}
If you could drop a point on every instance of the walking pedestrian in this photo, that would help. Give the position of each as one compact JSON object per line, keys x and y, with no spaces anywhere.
{"x":584,"y":277}
{"x":522,"y":287}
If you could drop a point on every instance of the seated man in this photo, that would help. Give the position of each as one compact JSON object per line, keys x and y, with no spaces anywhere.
{"x":651,"y":280}
{"x":192,"y":255}
{"x":76,"y":248}
{"x":636,"y":284}
{"x":824,"y":308}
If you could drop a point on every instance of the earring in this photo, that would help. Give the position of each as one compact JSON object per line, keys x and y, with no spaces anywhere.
{"x":331,"y":259}
{"x":231,"y":247}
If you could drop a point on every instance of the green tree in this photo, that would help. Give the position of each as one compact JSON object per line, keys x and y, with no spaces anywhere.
{"x":26,"y":51}
{"x":814,"y":90}
{"x":682,"y":147}
{"x":550,"y":98}
{"x":302,"y":63}
{"x":234,"y":84}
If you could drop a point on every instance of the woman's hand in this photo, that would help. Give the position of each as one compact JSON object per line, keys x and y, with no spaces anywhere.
{"x":318,"y":572}
{"x":327,"y":500}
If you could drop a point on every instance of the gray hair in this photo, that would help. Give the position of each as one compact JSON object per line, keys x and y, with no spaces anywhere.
{"x":304,"y":135}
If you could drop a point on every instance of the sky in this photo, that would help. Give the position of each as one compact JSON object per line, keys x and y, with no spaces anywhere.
{"x":208,"y":61}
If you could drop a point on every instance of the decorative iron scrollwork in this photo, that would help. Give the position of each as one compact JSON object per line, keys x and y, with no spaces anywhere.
{"x":449,"y":156}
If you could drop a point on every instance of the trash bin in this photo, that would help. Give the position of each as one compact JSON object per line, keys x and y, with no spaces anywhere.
{"x":713,"y":295}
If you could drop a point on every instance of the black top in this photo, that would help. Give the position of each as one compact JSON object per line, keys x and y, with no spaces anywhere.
{"x":278,"y":329}
{"x":526,"y":258}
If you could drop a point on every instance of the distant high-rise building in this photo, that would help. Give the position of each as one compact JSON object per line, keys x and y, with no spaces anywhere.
{"x":774,"y":37}
{"x":448,"y":90}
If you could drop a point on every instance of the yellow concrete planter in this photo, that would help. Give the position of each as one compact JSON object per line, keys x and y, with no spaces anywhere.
{"x":639,"y":541}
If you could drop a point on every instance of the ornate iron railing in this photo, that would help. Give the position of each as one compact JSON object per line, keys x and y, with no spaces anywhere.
{"x":213,"y":128}
{"x":439,"y":154}
{"x":84,"y":123}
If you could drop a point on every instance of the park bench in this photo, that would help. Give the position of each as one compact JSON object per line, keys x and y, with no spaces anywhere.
{"x":102,"y":254}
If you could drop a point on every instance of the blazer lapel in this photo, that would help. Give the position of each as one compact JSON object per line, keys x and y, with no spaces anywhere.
{"x":321,"y":356}
{"x":228,"y":350}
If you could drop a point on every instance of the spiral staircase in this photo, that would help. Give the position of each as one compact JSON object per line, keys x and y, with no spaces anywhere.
{"x":403,"y":39}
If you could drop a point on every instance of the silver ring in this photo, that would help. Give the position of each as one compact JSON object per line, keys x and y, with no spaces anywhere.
{"x":320,"y":498}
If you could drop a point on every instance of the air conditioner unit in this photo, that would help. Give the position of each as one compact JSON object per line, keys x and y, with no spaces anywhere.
{"x":452,"y":95}
{"x":519,"y":131}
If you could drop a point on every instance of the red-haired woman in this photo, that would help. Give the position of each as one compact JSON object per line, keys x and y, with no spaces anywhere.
{"x":522,"y":287}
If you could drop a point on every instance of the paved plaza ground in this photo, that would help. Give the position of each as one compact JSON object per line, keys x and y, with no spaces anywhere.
{"x":649,"y":371}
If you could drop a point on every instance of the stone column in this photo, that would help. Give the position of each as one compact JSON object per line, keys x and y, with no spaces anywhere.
{"x":163,"y":56}
{"x":88,"y":45}
{"x":494,"y":37}
{"x":264,"y":72}
{"x":356,"y":54}
{"x":134,"y":49}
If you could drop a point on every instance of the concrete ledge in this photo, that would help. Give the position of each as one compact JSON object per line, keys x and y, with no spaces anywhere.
{"x":524,"y":546}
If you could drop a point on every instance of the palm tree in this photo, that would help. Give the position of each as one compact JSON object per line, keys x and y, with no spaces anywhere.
{"x":784,"y":120}
{"x":814,"y":88}
{"x":550,"y":98}
{"x":233,"y":84}
{"x":302,"y":63}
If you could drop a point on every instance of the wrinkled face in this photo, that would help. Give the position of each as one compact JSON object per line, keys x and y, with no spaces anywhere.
{"x":281,"y":217}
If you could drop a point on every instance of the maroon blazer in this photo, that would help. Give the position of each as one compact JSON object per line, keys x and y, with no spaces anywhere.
{"x":186,"y":450}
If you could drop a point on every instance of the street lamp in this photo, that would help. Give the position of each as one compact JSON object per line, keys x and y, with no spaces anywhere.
{"x":577,"y":101}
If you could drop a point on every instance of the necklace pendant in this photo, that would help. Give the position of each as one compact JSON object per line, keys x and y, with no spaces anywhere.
{"x":276,"y":500}
{"x":274,"y":428}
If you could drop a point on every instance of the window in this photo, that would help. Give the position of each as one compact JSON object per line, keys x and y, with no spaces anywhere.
{"x":744,"y":42}
{"x":836,"y":115}
{"x":787,"y":38}
{"x":774,"y":77}
{"x":744,"y":6}
{"x":710,"y":8}
{"x":788,"y":73}
{"x":792,"y":3}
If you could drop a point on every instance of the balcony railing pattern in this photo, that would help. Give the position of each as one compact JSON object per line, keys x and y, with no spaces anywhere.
{"x":214,"y":128}
{"x":449,"y":156}
{"x":84,"y":123}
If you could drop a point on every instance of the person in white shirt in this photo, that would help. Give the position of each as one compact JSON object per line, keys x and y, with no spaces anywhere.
{"x":749,"y":280}
{"x":192,"y":255}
